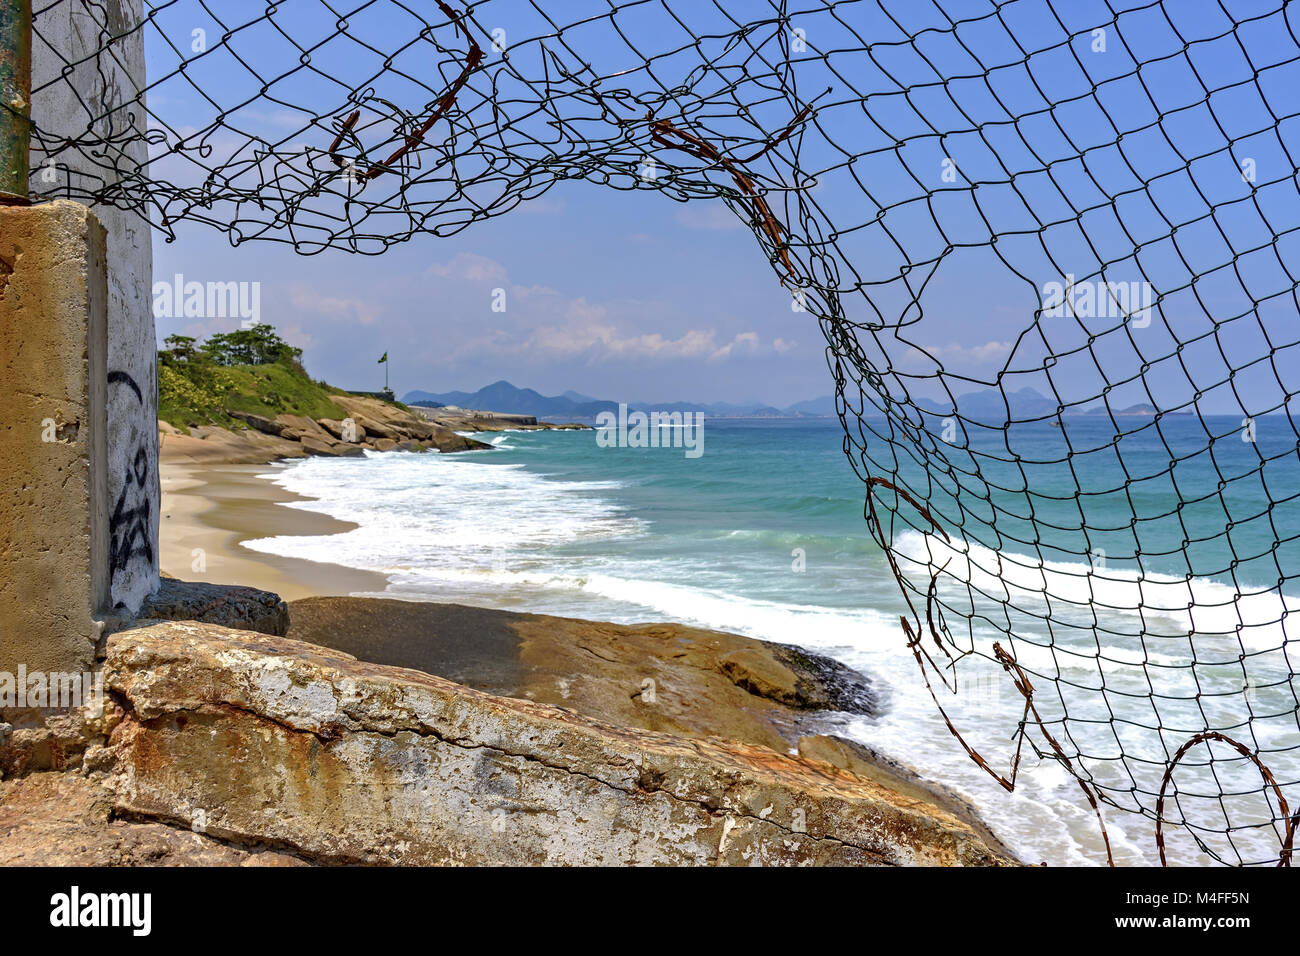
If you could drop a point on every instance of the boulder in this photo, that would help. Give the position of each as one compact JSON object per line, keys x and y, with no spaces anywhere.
{"x":869,"y":764}
{"x":799,"y":679}
{"x":446,"y":440}
{"x":422,"y":430}
{"x":267,"y":741}
{"x":384,"y":444}
{"x":329,"y":447}
{"x":410,"y":444}
{"x":244,"y":608}
{"x":66,"y":819}
{"x":660,"y":676}
{"x":296,"y":427}
{"x":261,"y":423}
{"x":337,"y":429}
{"x":382,"y":429}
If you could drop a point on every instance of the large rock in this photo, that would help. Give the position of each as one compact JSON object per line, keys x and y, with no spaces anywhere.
{"x":660,"y":676}
{"x":339,"y":430}
{"x":260,"y":422}
{"x":235,"y":606}
{"x":446,"y":440}
{"x":863,"y":761}
{"x":66,"y":819}
{"x":297,"y":427}
{"x":382,"y":429}
{"x":264,"y":739}
{"x":330,"y":448}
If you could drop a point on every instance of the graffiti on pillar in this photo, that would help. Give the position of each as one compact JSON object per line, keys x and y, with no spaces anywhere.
{"x":130,"y":524}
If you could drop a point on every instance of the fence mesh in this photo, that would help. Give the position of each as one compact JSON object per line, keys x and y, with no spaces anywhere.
{"x":1105,"y":525}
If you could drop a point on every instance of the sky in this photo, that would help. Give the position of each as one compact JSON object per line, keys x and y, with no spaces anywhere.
{"x":1078,"y":161}
{"x":629,"y":297}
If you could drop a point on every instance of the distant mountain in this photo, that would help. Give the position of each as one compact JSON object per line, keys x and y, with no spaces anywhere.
{"x":824,"y":406}
{"x":987,"y":407}
{"x":990,"y":407}
{"x":1141,"y":410}
{"x":571,"y":406}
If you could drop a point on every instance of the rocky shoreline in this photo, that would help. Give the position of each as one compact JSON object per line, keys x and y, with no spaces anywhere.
{"x":372,"y":424}
{"x":241,"y":730}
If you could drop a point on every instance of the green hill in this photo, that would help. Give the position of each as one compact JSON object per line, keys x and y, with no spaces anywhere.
{"x":249,"y":370}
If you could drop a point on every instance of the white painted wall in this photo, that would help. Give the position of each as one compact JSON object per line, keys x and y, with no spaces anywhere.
{"x":68,"y":32}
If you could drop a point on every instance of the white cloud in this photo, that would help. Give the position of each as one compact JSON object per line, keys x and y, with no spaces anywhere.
{"x":555,"y":327}
{"x":312,"y":305}
{"x":744,"y":342}
{"x":988,"y":352}
{"x":470,"y":267}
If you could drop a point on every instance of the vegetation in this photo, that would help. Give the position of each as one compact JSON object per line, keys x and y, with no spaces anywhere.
{"x":250,"y":370}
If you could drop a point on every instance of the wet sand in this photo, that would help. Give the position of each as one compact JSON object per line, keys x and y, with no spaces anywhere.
{"x":214,"y":508}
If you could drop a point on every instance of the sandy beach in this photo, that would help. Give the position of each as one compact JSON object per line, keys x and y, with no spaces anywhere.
{"x":208,"y":511}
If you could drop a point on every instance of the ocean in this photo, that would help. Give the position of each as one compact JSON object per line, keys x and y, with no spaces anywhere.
{"x":764,"y":535}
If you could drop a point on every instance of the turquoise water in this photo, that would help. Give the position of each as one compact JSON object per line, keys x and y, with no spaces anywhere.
{"x":764,"y":535}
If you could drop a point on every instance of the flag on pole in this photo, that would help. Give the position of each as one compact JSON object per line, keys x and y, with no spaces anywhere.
{"x":383,"y":359}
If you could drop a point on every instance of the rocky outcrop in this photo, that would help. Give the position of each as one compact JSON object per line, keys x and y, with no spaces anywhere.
{"x":663,"y":677}
{"x":67,"y":819}
{"x":331,"y":449}
{"x":341,"y":432}
{"x":33,"y":739}
{"x":264,"y":425}
{"x":374,"y":425}
{"x":234,"y":606}
{"x":266,"y":740}
{"x":863,"y":761}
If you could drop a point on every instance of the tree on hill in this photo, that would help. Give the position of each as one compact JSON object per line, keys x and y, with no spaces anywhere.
{"x":257,"y":345}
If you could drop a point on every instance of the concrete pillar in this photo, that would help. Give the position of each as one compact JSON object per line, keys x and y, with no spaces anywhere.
{"x":56,"y":526}
{"x":88,"y":74}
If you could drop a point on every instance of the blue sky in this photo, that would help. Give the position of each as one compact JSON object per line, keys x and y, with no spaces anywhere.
{"x":626,"y":294}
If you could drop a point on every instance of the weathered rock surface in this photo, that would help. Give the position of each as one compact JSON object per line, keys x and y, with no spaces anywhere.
{"x":863,"y":761}
{"x":242,"y":608}
{"x":337,"y":429}
{"x":66,"y":819}
{"x":39,"y":739}
{"x":664,"y":677}
{"x":331,"y":448}
{"x":299,"y":426}
{"x":261,"y":423}
{"x":798,"y":678}
{"x":259,"y":738}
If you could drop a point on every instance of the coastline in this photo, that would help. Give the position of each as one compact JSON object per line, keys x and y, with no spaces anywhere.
{"x":217,"y":507}
{"x":589,"y":666}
